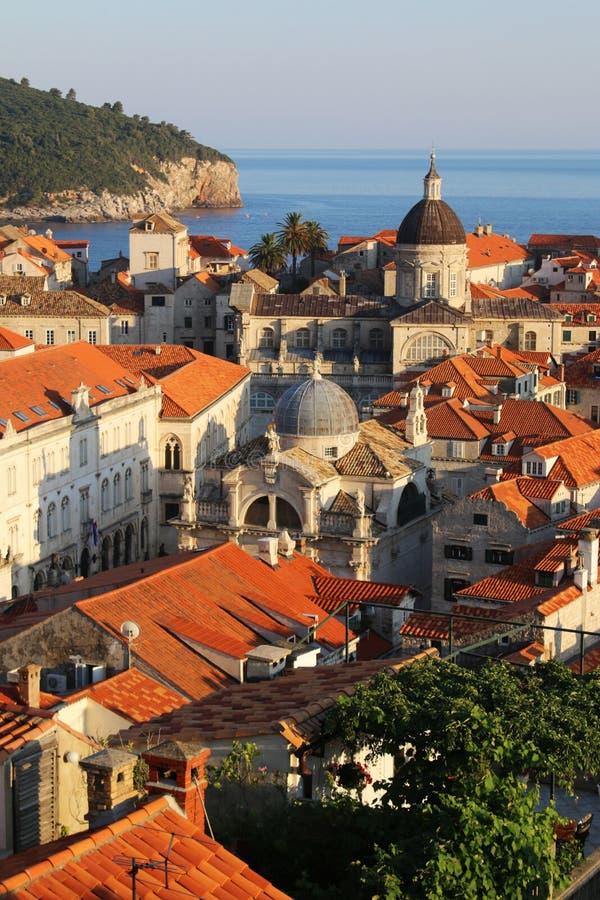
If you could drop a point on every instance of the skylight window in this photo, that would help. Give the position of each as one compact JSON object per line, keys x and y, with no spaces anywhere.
{"x":38,"y":410}
{"x":21,"y":415}
{"x":103,"y":389}
{"x":3,"y":422}
{"x":54,"y":405}
{"x":129,"y":380}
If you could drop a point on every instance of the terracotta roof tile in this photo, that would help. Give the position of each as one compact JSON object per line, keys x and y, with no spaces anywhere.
{"x":491,"y":249}
{"x":132,"y":694}
{"x":322,"y":306}
{"x":10,"y":340}
{"x":576,"y":459}
{"x":46,"y":304}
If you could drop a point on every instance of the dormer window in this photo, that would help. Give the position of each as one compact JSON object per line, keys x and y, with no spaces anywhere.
{"x":499,"y":449}
{"x":544,"y":579}
{"x":568,"y":318}
{"x":536,"y":469}
{"x":2,"y":299}
{"x":591,"y":317}
{"x":149,"y":226}
{"x":25,"y":300}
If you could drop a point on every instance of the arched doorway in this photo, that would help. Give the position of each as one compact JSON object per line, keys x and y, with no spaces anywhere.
{"x":105,"y":554}
{"x":118,"y":549}
{"x":412,"y":504}
{"x":129,"y":544}
{"x":84,"y":562}
{"x":258,"y":512}
{"x":39,"y":581}
{"x":285,"y":515}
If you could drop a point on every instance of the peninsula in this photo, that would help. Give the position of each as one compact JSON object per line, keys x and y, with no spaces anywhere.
{"x":65,"y":160}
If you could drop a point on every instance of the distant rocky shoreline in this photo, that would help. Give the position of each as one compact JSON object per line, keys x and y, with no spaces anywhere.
{"x":188,"y":183}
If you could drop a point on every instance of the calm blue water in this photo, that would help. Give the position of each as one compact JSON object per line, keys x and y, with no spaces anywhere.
{"x":359,"y":192}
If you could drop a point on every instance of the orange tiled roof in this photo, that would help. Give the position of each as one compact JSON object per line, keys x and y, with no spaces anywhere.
{"x":321,"y":305}
{"x":222,"y":590}
{"x":491,"y":249}
{"x":19,"y":725}
{"x":564,"y":240}
{"x":526,"y":655}
{"x":46,"y":247}
{"x":46,"y":304}
{"x":576,"y":459}
{"x":131,"y":694}
{"x":514,"y":496}
{"x":162,"y":223}
{"x":45,"y":380}
{"x":331,"y":591}
{"x":293,"y":705}
{"x":10,"y":340}
{"x":208,"y":245}
{"x":88,"y":865}
{"x":190,"y":380}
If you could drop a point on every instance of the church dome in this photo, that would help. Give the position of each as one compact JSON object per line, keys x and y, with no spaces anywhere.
{"x":316,"y":407}
{"x":431,"y":220}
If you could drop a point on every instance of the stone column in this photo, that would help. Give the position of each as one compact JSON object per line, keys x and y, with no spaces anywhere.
{"x":272,"y":523}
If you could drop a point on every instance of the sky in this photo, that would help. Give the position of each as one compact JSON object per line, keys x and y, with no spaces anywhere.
{"x":326,"y":74}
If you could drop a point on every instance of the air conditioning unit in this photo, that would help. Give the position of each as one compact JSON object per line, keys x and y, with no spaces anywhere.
{"x":97,"y":673}
{"x":12,"y":676}
{"x":56,"y":684}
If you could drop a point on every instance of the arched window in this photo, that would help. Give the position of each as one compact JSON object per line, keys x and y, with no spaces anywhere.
{"x":172,"y":453}
{"x":303,"y":337}
{"x":427,"y":347}
{"x":104,"y":496}
{"x":128,"y":485}
{"x":376,"y":339}
{"x":65,"y":514}
{"x":142,"y":429}
{"x":37,"y":526}
{"x":266,"y":339}
{"x":117,"y":490}
{"x":338,"y":338}
{"x":260,"y":400}
{"x":51,"y":520}
{"x":530,"y":340}
{"x":103,"y":443}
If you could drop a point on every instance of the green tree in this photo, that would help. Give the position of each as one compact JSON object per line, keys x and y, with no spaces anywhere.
{"x":71,"y":95}
{"x":293,"y":238}
{"x":117,"y":106}
{"x":316,"y":242}
{"x":25,"y":82}
{"x":268,"y":255}
{"x":54,"y":92}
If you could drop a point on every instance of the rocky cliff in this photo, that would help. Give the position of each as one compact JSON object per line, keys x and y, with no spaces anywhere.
{"x":190,"y":182}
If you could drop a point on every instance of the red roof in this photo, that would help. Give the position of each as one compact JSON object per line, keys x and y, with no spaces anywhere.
{"x":491,"y":249}
{"x":131,"y":694}
{"x":10,"y":340}
{"x":97,"y":864}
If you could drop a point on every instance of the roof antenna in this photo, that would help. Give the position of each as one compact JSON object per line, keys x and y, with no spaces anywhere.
{"x":147,"y":864}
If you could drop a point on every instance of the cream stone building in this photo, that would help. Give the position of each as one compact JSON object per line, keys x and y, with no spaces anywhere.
{"x":51,"y":317}
{"x":355,"y":494}
{"x":158,"y":251}
{"x":23,"y":252}
{"x":77,"y":458}
{"x":100,"y":447}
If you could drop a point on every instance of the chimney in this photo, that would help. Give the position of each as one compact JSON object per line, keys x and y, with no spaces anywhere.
{"x":580,"y":578}
{"x":487,"y":229}
{"x":497,"y":413}
{"x":588,"y":548}
{"x":177,"y":768}
{"x":498,"y":351}
{"x":342,"y":287}
{"x":267,"y":550}
{"x":28,"y":687}
{"x":110,"y":790}
{"x":560,"y":372}
{"x":285,"y":545}
{"x":479,"y":230}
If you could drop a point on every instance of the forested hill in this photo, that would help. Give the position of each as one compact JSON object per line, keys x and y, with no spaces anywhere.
{"x":50,"y":144}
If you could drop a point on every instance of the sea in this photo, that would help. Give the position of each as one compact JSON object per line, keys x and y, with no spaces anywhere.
{"x":359,"y":192}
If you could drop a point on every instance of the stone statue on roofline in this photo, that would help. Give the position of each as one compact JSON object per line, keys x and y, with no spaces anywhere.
{"x":187,"y":505}
{"x":273,"y":439}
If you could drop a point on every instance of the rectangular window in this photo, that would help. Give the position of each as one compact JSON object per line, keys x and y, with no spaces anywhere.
{"x":566,"y":337}
{"x":499,"y":557}
{"x":591,"y":335}
{"x":50,"y":336}
{"x":228,"y":351}
{"x":458,"y":551}
{"x":187,"y":322}
{"x":124,"y":327}
{"x":431,"y":284}
{"x":92,"y":337}
{"x":71,"y":336}
{"x":456,"y":449}
{"x":207,"y":301}
{"x":208,"y":322}
{"x":83,"y":457}
{"x":228,"y":323}
{"x":453,"y":282}
{"x":480,"y":518}
{"x":534,"y":468}
{"x":158,"y":301}
{"x":171,"y":511}
{"x":84,"y":505}
{"x":331,"y":452}
{"x":457,"y":483}
{"x":188,"y":302}
{"x":151,"y":260}
{"x":594,"y":415}
{"x":572,"y":396}
{"x":452,"y":585}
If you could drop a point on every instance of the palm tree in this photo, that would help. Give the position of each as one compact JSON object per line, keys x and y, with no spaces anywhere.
{"x":316,"y":241}
{"x":293,"y":237}
{"x":269,"y":255}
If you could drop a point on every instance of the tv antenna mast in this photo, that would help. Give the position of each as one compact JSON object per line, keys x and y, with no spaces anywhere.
{"x":140,"y":865}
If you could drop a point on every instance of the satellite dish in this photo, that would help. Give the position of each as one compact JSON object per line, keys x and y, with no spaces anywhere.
{"x":130,"y":630}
